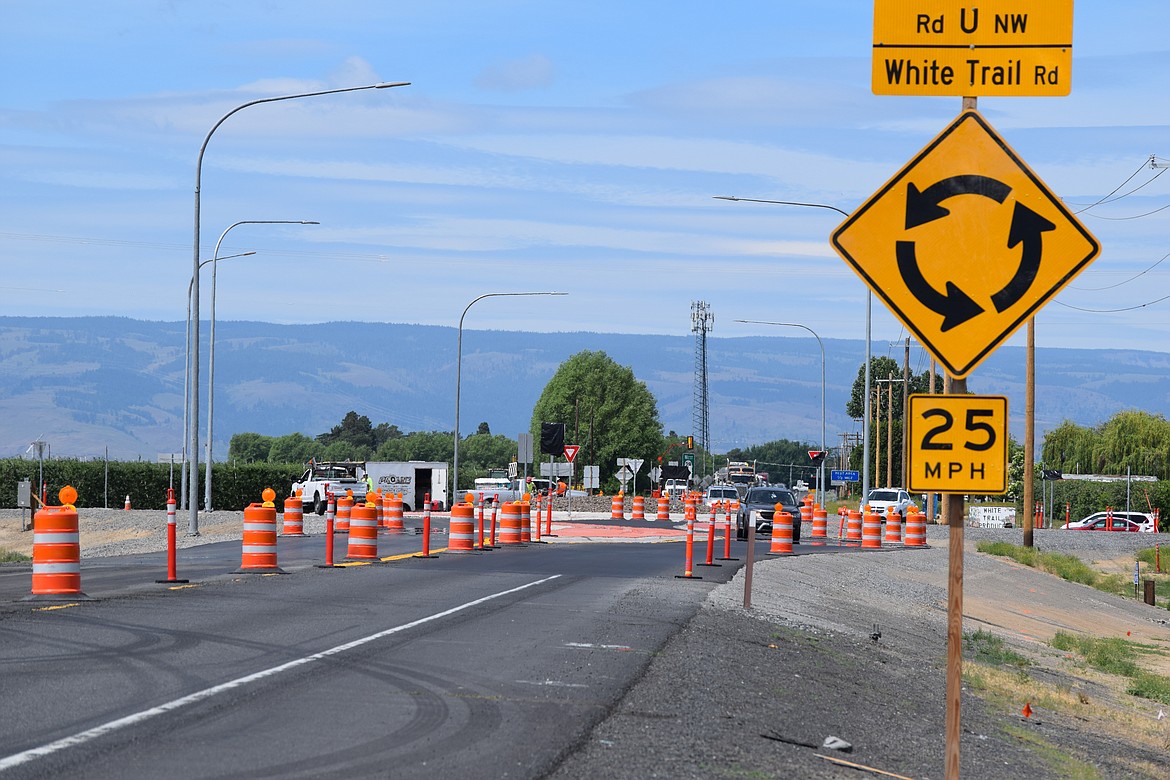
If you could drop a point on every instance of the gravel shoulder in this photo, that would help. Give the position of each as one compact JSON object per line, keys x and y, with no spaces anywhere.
{"x":754,"y":693}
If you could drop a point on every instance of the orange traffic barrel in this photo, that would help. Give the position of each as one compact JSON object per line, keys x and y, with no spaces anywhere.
{"x":893,"y":527}
{"x":853,"y":528}
{"x":663,"y":508}
{"x":639,"y":509}
{"x":915,"y":529}
{"x":392,"y":513}
{"x":294,"y":517}
{"x":781,"y":532}
{"x":56,"y":569}
{"x":526,"y":521}
{"x":617,"y":507}
{"x":259,"y":548}
{"x":363,"y":533}
{"x":461,"y":537}
{"x":820,"y":525}
{"x":344,"y":507}
{"x":510,"y":523}
{"x":806,"y":510}
{"x":871,"y":530}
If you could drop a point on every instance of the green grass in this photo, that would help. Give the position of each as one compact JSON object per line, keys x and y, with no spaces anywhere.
{"x":1120,"y":657}
{"x":9,"y":556}
{"x":991,"y":649}
{"x":1068,"y":567}
{"x":1065,"y":765}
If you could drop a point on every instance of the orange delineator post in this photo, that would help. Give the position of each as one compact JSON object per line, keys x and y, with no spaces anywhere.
{"x":638,"y":512}
{"x":547,"y":519}
{"x":461,"y":537}
{"x":479,"y":513}
{"x":363,"y":533}
{"x":726,"y":505}
{"x":426,"y":530}
{"x":711,"y":539}
{"x":915,"y":529}
{"x":688,"y":570}
{"x":330,"y":513}
{"x":492,"y":522}
{"x":617,"y":507}
{"x":259,"y":543}
{"x":781,"y":532}
{"x":893,"y":527}
{"x":56,"y":568}
{"x":294,"y":517}
{"x":871,"y":530}
{"x":172,"y":577}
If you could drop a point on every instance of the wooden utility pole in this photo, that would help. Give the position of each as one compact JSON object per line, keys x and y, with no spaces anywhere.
{"x":1029,"y":432}
{"x":890,"y":430}
{"x":905,"y":410}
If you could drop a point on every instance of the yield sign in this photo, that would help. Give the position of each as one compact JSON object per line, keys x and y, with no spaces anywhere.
{"x":571,"y":451}
{"x":965,"y":244}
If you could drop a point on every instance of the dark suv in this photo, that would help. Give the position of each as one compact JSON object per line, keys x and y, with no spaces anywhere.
{"x":760,"y":502}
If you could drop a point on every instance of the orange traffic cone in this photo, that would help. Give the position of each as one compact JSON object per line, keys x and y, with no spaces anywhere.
{"x":127,"y":503}
{"x":1027,"y":711}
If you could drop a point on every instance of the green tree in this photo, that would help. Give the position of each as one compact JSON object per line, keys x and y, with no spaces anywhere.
{"x":354,"y":430}
{"x":484,"y":429}
{"x":622,"y":411}
{"x":293,"y":448}
{"x":882,"y":371}
{"x":249,"y":448}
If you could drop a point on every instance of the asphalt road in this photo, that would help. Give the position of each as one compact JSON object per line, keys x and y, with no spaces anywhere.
{"x":490,"y":664}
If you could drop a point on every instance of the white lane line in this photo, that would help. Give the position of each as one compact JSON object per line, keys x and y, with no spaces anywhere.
{"x":24,"y":757}
{"x":553,"y":683}
{"x":588,"y":645}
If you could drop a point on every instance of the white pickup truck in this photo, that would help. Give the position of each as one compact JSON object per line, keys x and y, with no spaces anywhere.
{"x":336,"y":478}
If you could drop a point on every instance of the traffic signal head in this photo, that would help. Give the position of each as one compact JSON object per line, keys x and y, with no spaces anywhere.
{"x":690,"y":442}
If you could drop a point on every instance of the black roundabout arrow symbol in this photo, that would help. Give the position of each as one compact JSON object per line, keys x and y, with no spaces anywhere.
{"x":1027,"y":228}
{"x":955,"y":306}
{"x":924,"y":206}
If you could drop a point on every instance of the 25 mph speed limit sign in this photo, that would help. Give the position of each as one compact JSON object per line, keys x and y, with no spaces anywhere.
{"x":958,"y":444}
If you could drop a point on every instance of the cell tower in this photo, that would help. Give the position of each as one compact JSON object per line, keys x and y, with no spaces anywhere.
{"x":701,"y":319}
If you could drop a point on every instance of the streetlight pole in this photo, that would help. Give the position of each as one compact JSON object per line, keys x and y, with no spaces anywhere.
{"x":459,"y":372}
{"x":868,"y":351}
{"x":193,"y":381}
{"x":821,"y":344}
{"x":211,"y":337}
{"x":186,"y":379}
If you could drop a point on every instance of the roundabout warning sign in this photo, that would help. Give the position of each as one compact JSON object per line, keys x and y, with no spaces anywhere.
{"x":965,"y":244}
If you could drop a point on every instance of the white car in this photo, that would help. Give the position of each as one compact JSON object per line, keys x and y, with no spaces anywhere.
{"x":1121,"y":521}
{"x":881,"y":499}
{"x":720,"y":493}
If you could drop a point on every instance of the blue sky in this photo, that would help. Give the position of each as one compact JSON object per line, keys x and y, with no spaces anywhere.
{"x":541,"y":146}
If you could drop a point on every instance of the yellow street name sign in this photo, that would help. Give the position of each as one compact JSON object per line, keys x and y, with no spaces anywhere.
{"x":957,"y":444}
{"x":972,"y":47}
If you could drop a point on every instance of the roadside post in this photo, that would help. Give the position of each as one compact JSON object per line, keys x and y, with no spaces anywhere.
{"x":330,"y":510}
{"x":171,"y":543}
{"x":965,"y":244}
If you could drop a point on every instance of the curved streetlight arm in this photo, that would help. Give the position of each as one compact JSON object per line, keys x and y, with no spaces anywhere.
{"x":821,"y":344}
{"x":193,"y":381}
{"x":782,"y":203}
{"x":458,"y":378}
{"x":868,"y":351}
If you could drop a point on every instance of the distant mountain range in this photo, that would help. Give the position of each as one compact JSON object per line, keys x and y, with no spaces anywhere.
{"x":95,"y":384}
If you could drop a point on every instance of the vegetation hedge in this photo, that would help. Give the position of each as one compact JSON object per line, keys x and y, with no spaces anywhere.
{"x":233,"y":486}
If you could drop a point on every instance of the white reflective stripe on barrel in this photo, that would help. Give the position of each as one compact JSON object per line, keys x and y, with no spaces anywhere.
{"x":57,"y":568}
{"x":55,"y":537}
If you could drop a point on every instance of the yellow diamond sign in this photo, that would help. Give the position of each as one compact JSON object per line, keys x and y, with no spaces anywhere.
{"x":965,"y":244}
